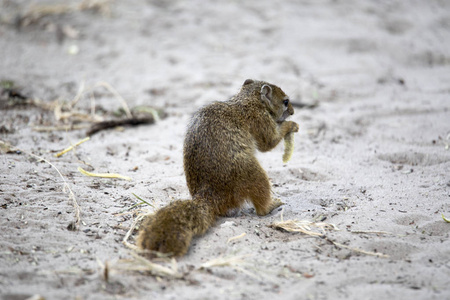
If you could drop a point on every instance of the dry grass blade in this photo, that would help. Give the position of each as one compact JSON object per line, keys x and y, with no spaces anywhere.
{"x":78,"y":95}
{"x":35,"y":297}
{"x":104,"y":269}
{"x":75,"y":116}
{"x":148,"y":110}
{"x":66,"y":112}
{"x":5,"y":147}
{"x":118,"y":96}
{"x":103,"y":175}
{"x":142,"y":200}
{"x":60,"y":128}
{"x":371,"y":232}
{"x":357,"y":250}
{"x":142,"y":264}
{"x":107,"y":86}
{"x":232,"y":261}
{"x":130,"y":231}
{"x":304,"y":226}
{"x":236,"y":237}
{"x":72,"y":147}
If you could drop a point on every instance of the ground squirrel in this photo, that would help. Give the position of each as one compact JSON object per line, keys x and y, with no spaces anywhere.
{"x":221,"y":169}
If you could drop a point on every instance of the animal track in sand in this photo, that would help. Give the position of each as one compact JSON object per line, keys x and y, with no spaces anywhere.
{"x":436,"y":228}
{"x":308,"y":175}
{"x":413,"y":158}
{"x":395,"y":249}
{"x":411,"y":220}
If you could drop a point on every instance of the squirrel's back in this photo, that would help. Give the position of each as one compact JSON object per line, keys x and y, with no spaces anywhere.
{"x":216,"y":148}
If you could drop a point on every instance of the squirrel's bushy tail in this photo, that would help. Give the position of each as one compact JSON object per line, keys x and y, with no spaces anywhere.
{"x":170,"y":229}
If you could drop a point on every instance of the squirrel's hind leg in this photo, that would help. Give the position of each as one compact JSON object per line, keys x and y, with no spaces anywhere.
{"x":257,"y":188}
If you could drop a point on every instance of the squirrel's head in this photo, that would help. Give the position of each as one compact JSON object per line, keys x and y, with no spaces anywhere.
{"x":273,"y":98}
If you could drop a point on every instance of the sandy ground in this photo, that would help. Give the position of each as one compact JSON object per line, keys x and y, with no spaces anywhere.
{"x":372,"y":158}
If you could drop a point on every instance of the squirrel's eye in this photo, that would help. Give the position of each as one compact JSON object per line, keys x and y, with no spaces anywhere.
{"x":286,"y":102}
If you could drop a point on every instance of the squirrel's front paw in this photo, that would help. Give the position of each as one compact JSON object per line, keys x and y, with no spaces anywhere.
{"x":294,"y":127}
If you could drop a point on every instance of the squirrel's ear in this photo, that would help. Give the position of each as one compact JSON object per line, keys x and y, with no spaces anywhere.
{"x":248,"y":81}
{"x":266,"y":94}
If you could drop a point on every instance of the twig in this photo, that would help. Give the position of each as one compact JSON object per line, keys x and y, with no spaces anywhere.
{"x":114,"y":123}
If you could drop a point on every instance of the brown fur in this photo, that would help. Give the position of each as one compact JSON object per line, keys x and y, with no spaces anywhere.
{"x":221,"y":169}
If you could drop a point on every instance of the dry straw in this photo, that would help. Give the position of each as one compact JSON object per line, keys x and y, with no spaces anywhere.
{"x":72,"y":147}
{"x":307,"y":227}
{"x":141,"y":264}
{"x":304,"y":226}
{"x":103,"y":175}
{"x":310,"y":228}
{"x":236,"y":237}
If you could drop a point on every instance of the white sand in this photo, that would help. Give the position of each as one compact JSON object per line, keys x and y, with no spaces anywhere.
{"x":373,"y":156}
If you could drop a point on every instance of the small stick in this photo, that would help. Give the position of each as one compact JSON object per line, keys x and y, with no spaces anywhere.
{"x":114,"y":123}
{"x":72,"y":147}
